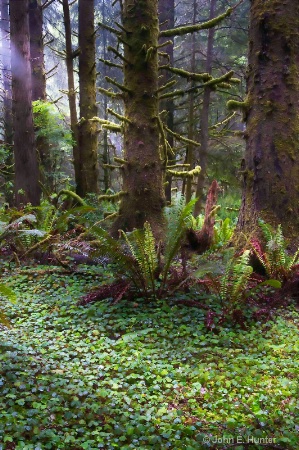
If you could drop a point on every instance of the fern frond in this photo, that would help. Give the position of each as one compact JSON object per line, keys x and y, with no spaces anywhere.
{"x":178,"y":219}
{"x":7,"y":293}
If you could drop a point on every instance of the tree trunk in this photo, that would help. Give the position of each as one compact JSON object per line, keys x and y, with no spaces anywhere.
{"x":37,"y":50}
{"x":7,"y":100}
{"x":190,"y":148}
{"x":204,"y":118}
{"x":143,"y":169}
{"x":39,"y":86}
{"x":166,"y":18}
{"x":106,"y":153}
{"x":271,"y":166}
{"x":71,"y":90}
{"x":26,"y":163}
{"x":87,"y":133}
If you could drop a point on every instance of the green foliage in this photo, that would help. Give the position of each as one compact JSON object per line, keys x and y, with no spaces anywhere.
{"x":228,"y":280}
{"x":278,"y":264}
{"x":178,"y":218}
{"x":49,"y":124}
{"x":136,"y":375}
{"x":143,"y":248}
{"x":223,"y":232}
{"x":6,"y":293}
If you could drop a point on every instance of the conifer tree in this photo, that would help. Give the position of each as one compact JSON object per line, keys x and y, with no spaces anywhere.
{"x":271,"y":165}
{"x":27,"y":187}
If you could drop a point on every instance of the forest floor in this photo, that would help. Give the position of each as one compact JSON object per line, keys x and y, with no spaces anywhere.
{"x":140,"y":375}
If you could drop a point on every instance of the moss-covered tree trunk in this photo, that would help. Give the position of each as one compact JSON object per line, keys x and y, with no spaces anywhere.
{"x":166,"y":18}
{"x":271,"y":167}
{"x":204,"y":118}
{"x":39,"y":86}
{"x":37,"y":50}
{"x":7,"y":99}
{"x":87,"y":132}
{"x":143,"y":169}
{"x":27,"y":188}
{"x":71,"y":89}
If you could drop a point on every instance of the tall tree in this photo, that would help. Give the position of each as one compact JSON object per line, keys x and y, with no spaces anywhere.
{"x":39,"y":87}
{"x":271,"y":166}
{"x":166,"y":18}
{"x":71,"y":88}
{"x":27,"y":187}
{"x":87,"y":132}
{"x":142,"y":168}
{"x":7,"y":100}
{"x":204,"y":116}
{"x":37,"y":50}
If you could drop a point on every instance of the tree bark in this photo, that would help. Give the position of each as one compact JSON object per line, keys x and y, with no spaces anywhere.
{"x":271,"y":166}
{"x":166,"y":19}
{"x":204,"y":118}
{"x":190,"y":147}
{"x":71,"y":90}
{"x":143,"y":169}
{"x":25,"y":155}
{"x":39,"y":87}
{"x":87,"y":133}
{"x":7,"y":99}
{"x":37,"y":50}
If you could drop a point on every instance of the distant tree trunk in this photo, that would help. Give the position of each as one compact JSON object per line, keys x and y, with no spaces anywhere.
{"x":190,"y":148}
{"x":37,"y":50}
{"x":71,"y":90}
{"x":7,"y":101}
{"x":204,"y":118}
{"x":87,"y":132}
{"x":142,"y":171}
{"x":106,"y":155}
{"x":39,"y":86}
{"x":271,"y":167}
{"x":25,"y":155}
{"x":166,"y":19}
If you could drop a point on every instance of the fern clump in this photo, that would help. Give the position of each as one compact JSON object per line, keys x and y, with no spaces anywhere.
{"x":231,"y":285}
{"x":178,"y":219}
{"x":136,"y":256}
{"x":273,"y":255}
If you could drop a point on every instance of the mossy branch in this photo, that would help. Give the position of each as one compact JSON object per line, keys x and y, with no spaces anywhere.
{"x":174,"y":166}
{"x":112,"y":197}
{"x":164,"y":44}
{"x":163,"y":138}
{"x":113,"y":127}
{"x":166,"y":86}
{"x":180,"y":137}
{"x":107,"y":124}
{"x":110,"y":63}
{"x":120,"y":160}
{"x":215,"y":81}
{"x":110,"y":94}
{"x":181,"y":31}
{"x":149,"y":53}
{"x":119,"y":55}
{"x":234,"y":105}
{"x":108,"y":28}
{"x":72,"y":195}
{"x":182,"y":174}
{"x":119,"y":85}
{"x":223,"y":122}
{"x":189,"y":75}
{"x":119,"y":25}
{"x":111,"y":166}
{"x":118,"y":116}
{"x":177,"y":93}
{"x":38,"y":244}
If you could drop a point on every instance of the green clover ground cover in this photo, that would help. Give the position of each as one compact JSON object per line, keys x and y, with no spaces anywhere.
{"x":139,"y":376}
